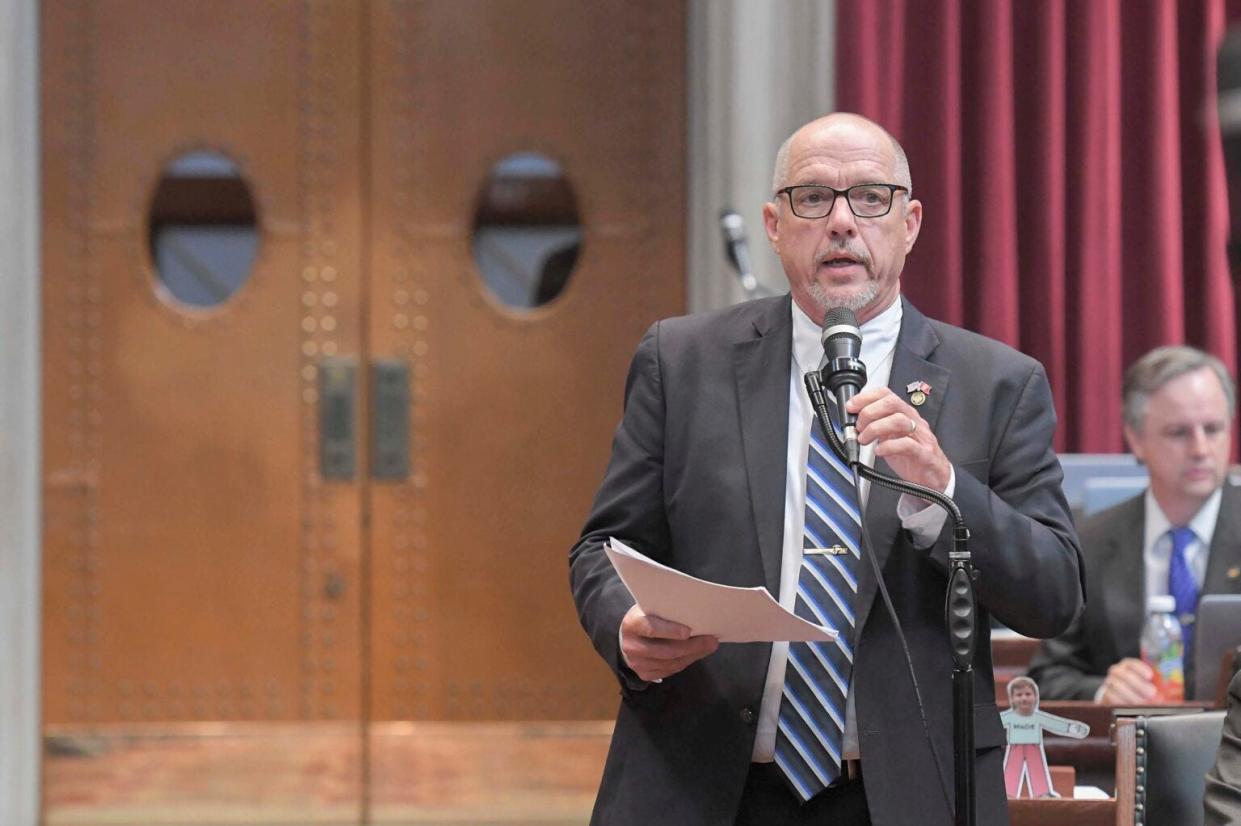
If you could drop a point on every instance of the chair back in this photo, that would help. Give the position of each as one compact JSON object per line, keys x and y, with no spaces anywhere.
{"x":1172,"y":755}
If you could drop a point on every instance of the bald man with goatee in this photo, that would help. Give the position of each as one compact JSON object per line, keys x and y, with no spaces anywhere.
{"x":718,"y":470}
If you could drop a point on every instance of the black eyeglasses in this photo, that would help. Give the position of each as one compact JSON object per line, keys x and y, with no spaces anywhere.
{"x":865,"y":200}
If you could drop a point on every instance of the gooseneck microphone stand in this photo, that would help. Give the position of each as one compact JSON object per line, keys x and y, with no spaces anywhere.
{"x":959,"y":607}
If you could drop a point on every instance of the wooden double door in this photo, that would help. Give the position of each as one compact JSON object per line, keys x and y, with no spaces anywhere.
{"x":201,"y":564}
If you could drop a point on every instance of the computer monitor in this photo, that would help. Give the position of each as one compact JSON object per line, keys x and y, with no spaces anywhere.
{"x":1217,"y":628}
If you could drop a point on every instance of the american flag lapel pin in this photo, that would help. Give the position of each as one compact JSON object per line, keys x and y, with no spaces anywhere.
{"x":918,"y":391}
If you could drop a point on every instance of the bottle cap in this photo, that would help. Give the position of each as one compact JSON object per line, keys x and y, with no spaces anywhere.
{"x":1161,"y":604}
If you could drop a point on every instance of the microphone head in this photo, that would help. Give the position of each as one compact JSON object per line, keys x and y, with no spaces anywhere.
{"x":837,"y":316}
{"x":842,"y":347}
{"x":732,"y":225}
{"x":840,"y":321}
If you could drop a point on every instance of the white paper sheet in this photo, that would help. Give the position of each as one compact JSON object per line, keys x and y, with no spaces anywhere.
{"x":733,"y":614}
{"x":1089,"y":793}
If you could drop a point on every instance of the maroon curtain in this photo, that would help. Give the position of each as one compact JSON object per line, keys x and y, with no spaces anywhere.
{"x":1068,"y":158}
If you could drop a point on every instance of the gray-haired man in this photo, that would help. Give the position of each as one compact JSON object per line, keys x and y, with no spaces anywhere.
{"x":1181,"y":537}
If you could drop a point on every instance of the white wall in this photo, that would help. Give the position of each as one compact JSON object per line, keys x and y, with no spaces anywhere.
{"x":19,"y":413}
{"x":757,"y":71}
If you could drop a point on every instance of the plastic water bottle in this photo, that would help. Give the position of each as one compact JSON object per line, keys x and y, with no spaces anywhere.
{"x":1163,"y":650}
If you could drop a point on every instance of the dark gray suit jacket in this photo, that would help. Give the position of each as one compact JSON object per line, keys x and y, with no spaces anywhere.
{"x":696,"y":481}
{"x":1223,"y":790}
{"x":1073,"y":666}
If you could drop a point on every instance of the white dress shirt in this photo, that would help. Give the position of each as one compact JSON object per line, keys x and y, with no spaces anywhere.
{"x":922,"y":520}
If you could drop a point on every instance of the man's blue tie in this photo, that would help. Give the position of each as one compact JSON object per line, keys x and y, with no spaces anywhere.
{"x":816,"y":679}
{"x":1183,"y":588}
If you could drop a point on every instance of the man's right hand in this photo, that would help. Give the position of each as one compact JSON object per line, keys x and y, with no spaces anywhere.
{"x":1129,"y":682}
{"x":656,"y":648}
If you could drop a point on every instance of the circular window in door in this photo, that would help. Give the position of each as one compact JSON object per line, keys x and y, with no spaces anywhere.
{"x":527,"y":235}
{"x":202,"y":230}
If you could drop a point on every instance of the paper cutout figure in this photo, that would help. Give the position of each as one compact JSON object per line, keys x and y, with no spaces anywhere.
{"x":1025,"y":762}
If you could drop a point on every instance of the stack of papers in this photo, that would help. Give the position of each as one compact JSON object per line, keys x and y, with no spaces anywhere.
{"x":725,"y":611}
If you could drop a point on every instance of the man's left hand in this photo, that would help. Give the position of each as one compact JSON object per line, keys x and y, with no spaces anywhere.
{"x":901,"y":436}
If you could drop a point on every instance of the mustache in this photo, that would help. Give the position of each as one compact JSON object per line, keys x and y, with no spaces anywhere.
{"x":846,"y":250}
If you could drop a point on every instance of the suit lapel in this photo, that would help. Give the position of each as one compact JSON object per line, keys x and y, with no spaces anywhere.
{"x":1122,"y":570}
{"x":762,"y":363}
{"x":1224,"y":561}
{"x":910,"y":362}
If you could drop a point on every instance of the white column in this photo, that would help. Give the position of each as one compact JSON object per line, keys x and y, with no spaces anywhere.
{"x":19,"y":413}
{"x":757,"y":71}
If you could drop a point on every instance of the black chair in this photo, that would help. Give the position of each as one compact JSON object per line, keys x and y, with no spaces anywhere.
{"x":1166,"y":759}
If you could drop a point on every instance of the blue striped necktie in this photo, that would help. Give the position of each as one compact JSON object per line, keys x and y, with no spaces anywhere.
{"x":1184,"y":588}
{"x":816,"y":680}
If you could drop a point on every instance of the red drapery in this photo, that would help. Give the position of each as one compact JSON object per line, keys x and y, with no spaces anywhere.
{"x":1068,"y":158}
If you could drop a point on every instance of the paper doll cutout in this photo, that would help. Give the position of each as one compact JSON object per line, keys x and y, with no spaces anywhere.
{"x":1025,"y":763}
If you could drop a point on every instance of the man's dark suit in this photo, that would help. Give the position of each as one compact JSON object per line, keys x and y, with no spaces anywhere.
{"x":697,"y":481}
{"x":1073,"y":666}
{"x":1223,"y":787}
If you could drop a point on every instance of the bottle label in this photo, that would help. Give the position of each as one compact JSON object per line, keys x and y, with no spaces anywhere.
{"x":1169,"y":674}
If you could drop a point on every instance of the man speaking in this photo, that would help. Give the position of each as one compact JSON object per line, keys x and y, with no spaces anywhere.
{"x":718,"y":469}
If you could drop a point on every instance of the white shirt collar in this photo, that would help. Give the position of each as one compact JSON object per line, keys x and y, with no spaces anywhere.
{"x":878,"y":337}
{"x":1202,"y":523}
{"x":1157,"y":545}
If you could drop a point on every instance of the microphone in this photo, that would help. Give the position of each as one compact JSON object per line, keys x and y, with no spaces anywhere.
{"x":845,"y":376}
{"x":738,"y":251}
{"x":844,"y":373}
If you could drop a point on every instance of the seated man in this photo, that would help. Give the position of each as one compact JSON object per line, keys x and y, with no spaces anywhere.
{"x":1180,"y":537}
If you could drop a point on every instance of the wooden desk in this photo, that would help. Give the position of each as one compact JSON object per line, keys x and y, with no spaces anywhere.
{"x":1095,"y":755}
{"x":1062,"y":812}
{"x":1010,"y":657}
